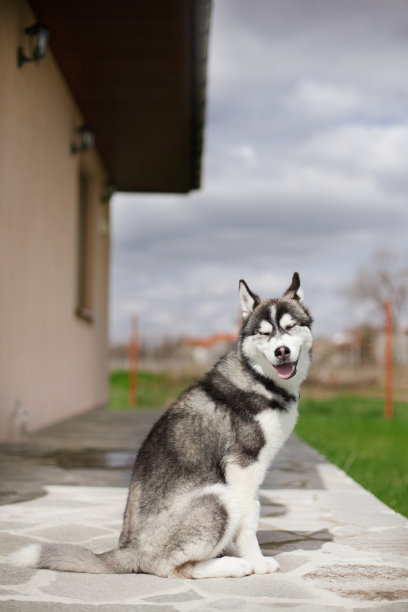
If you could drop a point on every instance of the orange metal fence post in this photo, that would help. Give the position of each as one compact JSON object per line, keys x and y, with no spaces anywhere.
{"x":133,"y":363}
{"x":388,"y":362}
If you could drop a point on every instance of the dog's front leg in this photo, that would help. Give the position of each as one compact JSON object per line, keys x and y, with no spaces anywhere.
{"x":246,"y":541}
{"x":243,"y":482}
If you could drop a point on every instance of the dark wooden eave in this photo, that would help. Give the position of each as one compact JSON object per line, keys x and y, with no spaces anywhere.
{"x":137,"y":70}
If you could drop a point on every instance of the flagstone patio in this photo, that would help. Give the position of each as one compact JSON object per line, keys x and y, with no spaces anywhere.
{"x":339,"y":548}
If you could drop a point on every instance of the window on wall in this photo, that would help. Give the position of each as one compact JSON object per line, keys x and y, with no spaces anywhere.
{"x":85,"y":248}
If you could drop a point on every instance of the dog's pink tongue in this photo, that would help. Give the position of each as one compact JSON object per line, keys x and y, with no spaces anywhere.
{"x":285,"y":370}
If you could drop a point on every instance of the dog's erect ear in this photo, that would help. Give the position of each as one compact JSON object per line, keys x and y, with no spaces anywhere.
{"x":295,"y":291}
{"x":249,"y":300}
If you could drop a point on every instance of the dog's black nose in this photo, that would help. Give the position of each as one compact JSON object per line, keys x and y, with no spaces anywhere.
{"x":282,"y":352}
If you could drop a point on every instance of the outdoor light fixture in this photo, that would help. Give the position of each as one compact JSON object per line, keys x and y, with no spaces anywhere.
{"x":109,"y":189}
{"x":39,"y":36}
{"x":86,"y":139}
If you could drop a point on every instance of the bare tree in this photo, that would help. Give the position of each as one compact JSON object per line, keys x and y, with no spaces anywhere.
{"x":384,"y":277}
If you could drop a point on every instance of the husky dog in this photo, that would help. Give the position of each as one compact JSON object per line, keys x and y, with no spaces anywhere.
{"x":193,"y":495}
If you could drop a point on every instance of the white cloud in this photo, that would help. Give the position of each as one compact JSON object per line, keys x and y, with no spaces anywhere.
{"x":362,"y":149}
{"x":324,"y":99}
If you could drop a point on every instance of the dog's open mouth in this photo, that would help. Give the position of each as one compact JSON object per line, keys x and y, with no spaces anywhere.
{"x":286,"y":370}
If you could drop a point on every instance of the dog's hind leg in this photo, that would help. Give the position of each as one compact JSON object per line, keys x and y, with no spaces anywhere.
{"x":224,"y":567}
{"x":201,"y":526}
{"x":219,"y":516}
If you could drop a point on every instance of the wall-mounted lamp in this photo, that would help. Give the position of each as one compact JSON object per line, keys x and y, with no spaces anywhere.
{"x":109,"y":189}
{"x":86,"y":139}
{"x":39,"y":36}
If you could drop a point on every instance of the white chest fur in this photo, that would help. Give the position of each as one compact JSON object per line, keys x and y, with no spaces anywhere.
{"x":276,"y":426}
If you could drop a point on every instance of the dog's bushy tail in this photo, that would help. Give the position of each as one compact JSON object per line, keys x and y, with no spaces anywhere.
{"x":73,"y":558}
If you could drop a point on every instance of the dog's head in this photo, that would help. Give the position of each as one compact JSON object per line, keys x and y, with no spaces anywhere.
{"x":276,"y":337}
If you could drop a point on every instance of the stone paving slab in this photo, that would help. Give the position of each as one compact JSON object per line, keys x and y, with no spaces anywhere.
{"x":339,"y":548}
{"x":26,"y":469}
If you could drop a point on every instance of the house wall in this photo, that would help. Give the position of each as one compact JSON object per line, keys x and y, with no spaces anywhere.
{"x":51,"y":360}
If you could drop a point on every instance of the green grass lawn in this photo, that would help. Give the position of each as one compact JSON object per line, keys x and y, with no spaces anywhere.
{"x":154,"y":390}
{"x":349,"y":430}
{"x":352,"y":432}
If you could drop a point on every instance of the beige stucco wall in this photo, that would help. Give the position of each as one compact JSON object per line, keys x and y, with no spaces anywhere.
{"x":51,"y":360}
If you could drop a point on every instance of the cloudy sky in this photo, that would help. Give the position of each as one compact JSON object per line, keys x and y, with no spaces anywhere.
{"x":305,"y":168}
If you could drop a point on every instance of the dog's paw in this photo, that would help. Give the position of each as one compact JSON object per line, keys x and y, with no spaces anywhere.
{"x":244,"y":568}
{"x":223,"y":567}
{"x":237,"y":567}
{"x":265,"y":565}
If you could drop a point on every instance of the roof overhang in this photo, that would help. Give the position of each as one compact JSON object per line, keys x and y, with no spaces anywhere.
{"x":137,"y":70}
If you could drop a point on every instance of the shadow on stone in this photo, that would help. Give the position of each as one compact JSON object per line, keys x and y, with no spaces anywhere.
{"x":287,"y":541}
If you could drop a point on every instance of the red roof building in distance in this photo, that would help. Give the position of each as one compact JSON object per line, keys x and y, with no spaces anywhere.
{"x":212,"y":340}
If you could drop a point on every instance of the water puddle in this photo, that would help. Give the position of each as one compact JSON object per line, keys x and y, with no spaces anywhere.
{"x":74,"y":459}
{"x":95,"y":459}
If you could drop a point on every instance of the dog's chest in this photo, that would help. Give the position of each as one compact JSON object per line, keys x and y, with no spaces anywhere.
{"x":276,"y":427}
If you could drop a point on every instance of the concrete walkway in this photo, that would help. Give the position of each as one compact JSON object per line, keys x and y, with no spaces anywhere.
{"x":339,"y":548}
